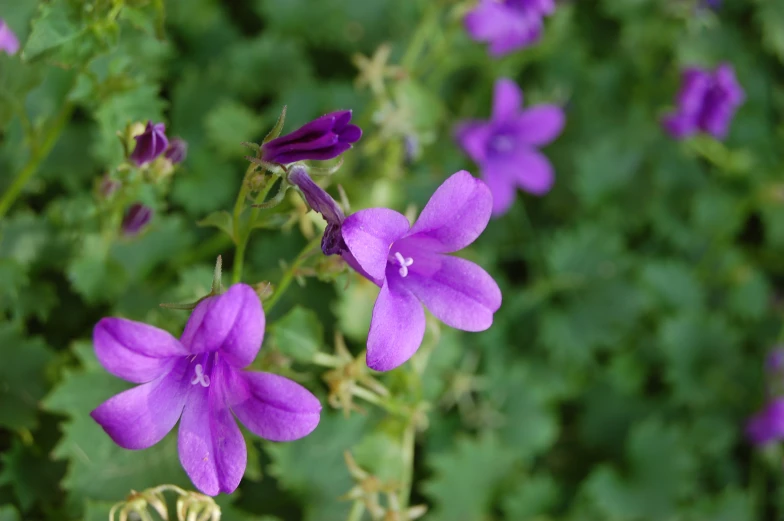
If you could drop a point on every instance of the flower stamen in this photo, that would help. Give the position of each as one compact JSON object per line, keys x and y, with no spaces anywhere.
{"x":404,"y":263}
{"x":200,"y":377}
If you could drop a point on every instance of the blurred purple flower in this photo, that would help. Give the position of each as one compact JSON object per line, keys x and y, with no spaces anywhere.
{"x":707,"y":102}
{"x":108,"y":186}
{"x":199,"y":381}
{"x":767,"y":425}
{"x":150,"y":144}
{"x":508,"y":25}
{"x":410,"y":266}
{"x":324,"y":138}
{"x":320,"y":201}
{"x":136,"y":218}
{"x":177,"y":150}
{"x":8,"y":40}
{"x":505,"y":148}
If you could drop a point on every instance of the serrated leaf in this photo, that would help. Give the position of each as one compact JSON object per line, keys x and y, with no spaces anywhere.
{"x":53,"y":27}
{"x":222,"y":220}
{"x":299,"y":334}
{"x":229,"y":124}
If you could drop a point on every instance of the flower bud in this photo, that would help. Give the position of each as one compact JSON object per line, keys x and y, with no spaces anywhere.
{"x":136,"y":218}
{"x":150,"y":144}
{"x":324,"y":138}
{"x":177,"y":151}
{"x":320,"y":201}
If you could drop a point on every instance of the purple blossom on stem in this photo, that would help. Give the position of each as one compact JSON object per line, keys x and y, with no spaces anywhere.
{"x":707,"y":102}
{"x":136,"y":218}
{"x":150,"y":144}
{"x":320,"y":201}
{"x":8,"y":40}
{"x":324,"y":138}
{"x":199,"y":381}
{"x":767,"y":425}
{"x":410,"y":265}
{"x":177,"y":150}
{"x":506,"y":147}
{"x":508,"y":25}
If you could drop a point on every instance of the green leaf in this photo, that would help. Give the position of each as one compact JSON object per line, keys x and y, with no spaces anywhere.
{"x":22,"y":378}
{"x":9,"y":513}
{"x":466,"y":479}
{"x":53,"y":27}
{"x":533,"y":496}
{"x":299,"y":334}
{"x":222,"y":220}
{"x":229,"y":124}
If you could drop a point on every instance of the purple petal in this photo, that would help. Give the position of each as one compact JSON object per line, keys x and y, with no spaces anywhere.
{"x":397,"y":327}
{"x":350,"y":134}
{"x":728,"y":83}
{"x":716,"y":120}
{"x":472,"y":136}
{"x":134,"y":351}
{"x":695,"y":83}
{"x":767,"y":425}
{"x":140,"y":417}
{"x":530,"y":170}
{"x":459,"y":293}
{"x":313,"y":155}
{"x":503,"y":189}
{"x":311,"y":129}
{"x":369,"y":234}
{"x":507,"y":100}
{"x":325,"y":140}
{"x":272,"y":406}
{"x":483,"y":22}
{"x":232,"y":323}
{"x":679,"y":126}
{"x":342,"y":118}
{"x":8,"y":40}
{"x":455,"y":215}
{"x":212,"y":449}
{"x":540,"y":125}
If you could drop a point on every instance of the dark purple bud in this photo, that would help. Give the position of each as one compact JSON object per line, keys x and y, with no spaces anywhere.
{"x":177,"y":151}
{"x":150,"y":144}
{"x":324,"y":138}
{"x":108,"y":186}
{"x":8,"y":40}
{"x":136,"y":218}
{"x":320,"y":201}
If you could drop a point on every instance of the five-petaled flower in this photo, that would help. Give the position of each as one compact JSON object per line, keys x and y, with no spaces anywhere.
{"x":199,"y":380}
{"x":323,"y":138}
{"x":508,"y":25}
{"x":506,"y":146}
{"x":410,"y":265}
{"x":150,"y":144}
{"x":8,"y":40}
{"x":707,"y":102}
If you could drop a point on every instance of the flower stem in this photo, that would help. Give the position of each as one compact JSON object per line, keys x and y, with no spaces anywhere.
{"x":39,"y":154}
{"x":242,"y":234}
{"x":409,"y":440}
{"x":288,"y":276}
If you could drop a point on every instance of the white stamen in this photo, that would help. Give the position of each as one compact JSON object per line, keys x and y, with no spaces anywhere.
{"x":200,"y":377}
{"x":404,"y":263}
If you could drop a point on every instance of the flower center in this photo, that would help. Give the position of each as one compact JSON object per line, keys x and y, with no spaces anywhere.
{"x":502,"y":143}
{"x":404,"y":262}
{"x":200,"y":377}
{"x":201,"y":371}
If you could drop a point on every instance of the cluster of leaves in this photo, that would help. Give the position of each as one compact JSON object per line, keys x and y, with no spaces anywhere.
{"x":640,"y":295}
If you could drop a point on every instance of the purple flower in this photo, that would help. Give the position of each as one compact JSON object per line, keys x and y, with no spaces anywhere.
{"x":410,"y":266}
{"x":506,"y":146}
{"x":323,"y":138}
{"x":150,"y":144}
{"x":707,"y":102}
{"x":508,"y":25}
{"x":177,"y":150}
{"x":767,"y":425}
{"x":136,"y":218}
{"x":199,"y":381}
{"x":8,"y":40}
{"x":320,"y":201}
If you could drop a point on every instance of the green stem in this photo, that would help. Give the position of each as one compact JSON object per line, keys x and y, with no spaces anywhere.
{"x":409,"y":439}
{"x":39,"y":154}
{"x":242,"y":235}
{"x":357,"y":509}
{"x":288,"y":276}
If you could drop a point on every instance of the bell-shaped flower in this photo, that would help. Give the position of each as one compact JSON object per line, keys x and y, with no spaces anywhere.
{"x":508,"y":25}
{"x":199,"y":381}
{"x":9,"y":43}
{"x":506,"y":147}
{"x":150,"y":144}
{"x":324,"y":138}
{"x":707,"y":102}
{"x":410,"y":265}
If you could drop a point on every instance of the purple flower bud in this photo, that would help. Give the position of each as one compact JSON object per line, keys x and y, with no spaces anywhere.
{"x":177,"y":151}
{"x":8,"y":40}
{"x":320,"y":201}
{"x":324,"y":138}
{"x":136,"y":218}
{"x":108,"y":186}
{"x":150,"y":144}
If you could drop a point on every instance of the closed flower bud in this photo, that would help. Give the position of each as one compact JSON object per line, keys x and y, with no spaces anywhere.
{"x":324,"y":138}
{"x":320,"y":201}
{"x":136,"y":218}
{"x":150,"y":144}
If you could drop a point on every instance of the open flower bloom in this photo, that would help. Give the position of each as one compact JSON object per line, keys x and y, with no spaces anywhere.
{"x":199,"y":380}
{"x":324,"y":138}
{"x":508,"y":25}
{"x":150,"y":144}
{"x":707,"y":102}
{"x":410,"y":265}
{"x":8,"y":40}
{"x":505,"y":148}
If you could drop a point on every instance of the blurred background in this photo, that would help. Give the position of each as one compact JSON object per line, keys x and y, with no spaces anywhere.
{"x":642,"y":295}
